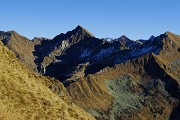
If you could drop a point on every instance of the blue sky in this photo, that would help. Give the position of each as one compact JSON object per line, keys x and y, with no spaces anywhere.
{"x":137,"y":19}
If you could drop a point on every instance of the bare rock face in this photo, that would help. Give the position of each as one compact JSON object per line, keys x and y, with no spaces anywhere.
{"x":119,"y":79}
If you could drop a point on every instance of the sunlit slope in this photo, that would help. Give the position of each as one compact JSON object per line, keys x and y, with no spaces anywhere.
{"x":24,"y":96}
{"x":145,"y":88}
{"x":20,"y":45}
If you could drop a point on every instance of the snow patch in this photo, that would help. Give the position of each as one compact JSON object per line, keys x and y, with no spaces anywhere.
{"x":138,"y":52}
{"x":64,"y":45}
{"x":103,"y":53}
{"x":85,"y":53}
{"x":108,"y":39}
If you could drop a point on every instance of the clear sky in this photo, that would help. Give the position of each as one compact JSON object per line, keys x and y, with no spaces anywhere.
{"x":137,"y":19}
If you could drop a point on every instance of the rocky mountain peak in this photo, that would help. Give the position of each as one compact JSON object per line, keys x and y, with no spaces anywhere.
{"x":152,"y":38}
{"x":168,"y":33}
{"x":123,"y":38}
{"x":79,"y":27}
{"x":172,"y":38}
{"x":77,"y":34}
{"x":13,"y":32}
{"x":83,"y":30}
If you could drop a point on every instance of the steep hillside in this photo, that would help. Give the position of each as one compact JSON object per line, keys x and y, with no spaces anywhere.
{"x":146,"y":87}
{"x":79,"y":52}
{"x":169,"y":56}
{"x":25,"y":96}
{"x":20,"y":45}
{"x":169,"y":60}
{"x":135,"y":90}
{"x":118,"y":79}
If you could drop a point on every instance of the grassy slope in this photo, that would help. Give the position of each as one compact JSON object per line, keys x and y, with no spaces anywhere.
{"x":24,"y":96}
{"x":169,"y":57}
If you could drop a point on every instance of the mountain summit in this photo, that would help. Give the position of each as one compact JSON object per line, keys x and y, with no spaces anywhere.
{"x":111,"y":80}
{"x":123,"y":38}
{"x":79,"y":33}
{"x":84,"y":30}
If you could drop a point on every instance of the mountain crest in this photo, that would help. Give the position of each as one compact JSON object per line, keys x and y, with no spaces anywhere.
{"x":173,"y":38}
{"x":152,"y":38}
{"x":123,"y":38}
{"x":79,"y":32}
{"x":168,"y":33}
{"x":130,"y":74}
{"x":84,"y":30}
{"x":13,"y":32}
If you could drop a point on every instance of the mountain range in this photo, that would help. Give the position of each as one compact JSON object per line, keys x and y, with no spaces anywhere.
{"x":111,"y":79}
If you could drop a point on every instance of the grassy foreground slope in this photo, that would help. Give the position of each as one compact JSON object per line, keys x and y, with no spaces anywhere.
{"x":23,"y":95}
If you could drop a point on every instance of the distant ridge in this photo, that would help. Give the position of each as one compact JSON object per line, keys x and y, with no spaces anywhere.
{"x":117,"y":79}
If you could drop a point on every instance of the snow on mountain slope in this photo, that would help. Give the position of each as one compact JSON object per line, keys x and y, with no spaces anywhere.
{"x":103,"y":53}
{"x":60,"y":56}
{"x":85,"y":53}
{"x":82,"y":62}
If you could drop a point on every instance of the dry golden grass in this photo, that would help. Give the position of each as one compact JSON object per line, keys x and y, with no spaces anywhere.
{"x":8,"y":114}
{"x":23,"y":95}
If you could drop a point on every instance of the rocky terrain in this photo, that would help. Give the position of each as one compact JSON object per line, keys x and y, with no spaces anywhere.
{"x":25,"y":95}
{"x":116,"y":79}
